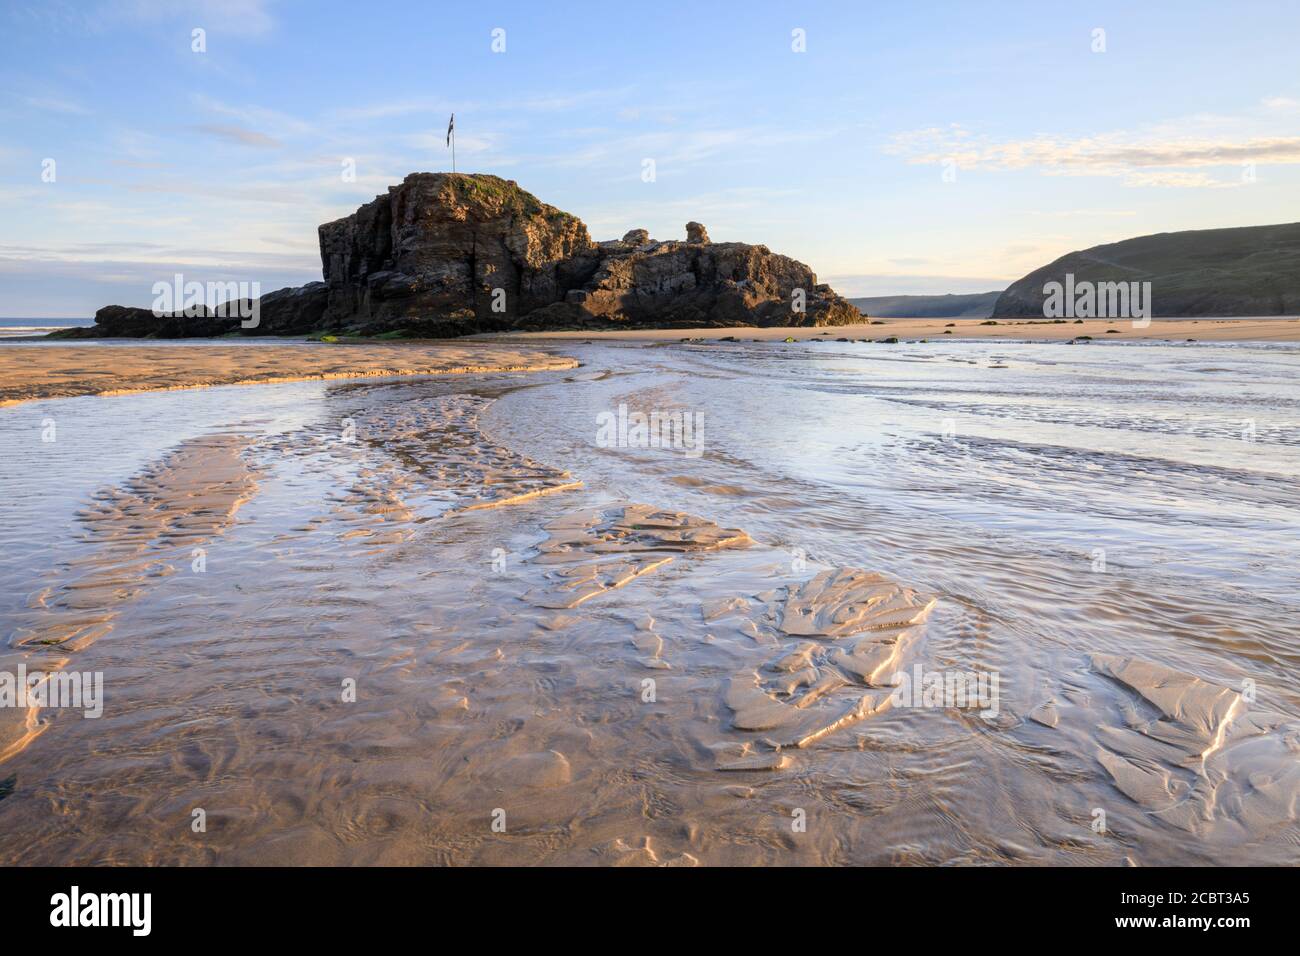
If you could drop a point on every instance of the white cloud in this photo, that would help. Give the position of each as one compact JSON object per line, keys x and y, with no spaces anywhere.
{"x":1175,"y":179}
{"x":553,"y":102}
{"x":244,"y":137}
{"x":392,"y":108}
{"x":1137,"y":160}
{"x":1122,"y":213}
{"x":52,"y":104}
{"x":666,"y":218}
{"x":256,"y":116}
{"x":854,"y":285}
{"x":465,"y":145}
{"x":241,"y":18}
{"x":145,"y":256}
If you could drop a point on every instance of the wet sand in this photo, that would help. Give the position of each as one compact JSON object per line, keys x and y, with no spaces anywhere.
{"x":1029,"y":330}
{"x":561,"y":652}
{"x":42,"y":370}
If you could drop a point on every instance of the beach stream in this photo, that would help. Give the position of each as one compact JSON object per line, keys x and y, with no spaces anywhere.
{"x":475,"y":619}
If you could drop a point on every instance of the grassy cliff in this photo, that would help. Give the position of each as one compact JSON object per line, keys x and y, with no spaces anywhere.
{"x":1254,"y":270}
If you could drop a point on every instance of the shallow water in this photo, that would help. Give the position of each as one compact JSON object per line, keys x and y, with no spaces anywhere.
{"x":417,"y":537}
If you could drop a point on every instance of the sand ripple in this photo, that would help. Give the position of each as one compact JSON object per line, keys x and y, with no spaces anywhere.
{"x":645,"y":677}
{"x":141,"y":532}
{"x":593,"y":552}
{"x":865,"y":624}
{"x":1196,"y":756}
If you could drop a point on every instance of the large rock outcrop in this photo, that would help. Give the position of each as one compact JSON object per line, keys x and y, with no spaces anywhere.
{"x":431,"y":256}
{"x":446,"y":254}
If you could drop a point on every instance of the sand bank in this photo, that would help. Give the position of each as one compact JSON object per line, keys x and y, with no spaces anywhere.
{"x":65,"y":371}
{"x":1204,"y":330}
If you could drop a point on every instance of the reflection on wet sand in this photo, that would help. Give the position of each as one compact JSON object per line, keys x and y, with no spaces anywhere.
{"x":138,"y":534}
{"x":437,"y":624}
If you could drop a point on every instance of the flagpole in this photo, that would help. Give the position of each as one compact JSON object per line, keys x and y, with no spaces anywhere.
{"x":451,"y":140}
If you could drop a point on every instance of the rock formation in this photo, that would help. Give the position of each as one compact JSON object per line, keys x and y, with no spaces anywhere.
{"x":120,"y":321}
{"x":292,"y":311}
{"x":447,"y":254}
{"x":444,"y":254}
{"x":695,"y":283}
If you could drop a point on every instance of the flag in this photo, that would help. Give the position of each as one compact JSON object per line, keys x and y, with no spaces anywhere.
{"x":451,"y":127}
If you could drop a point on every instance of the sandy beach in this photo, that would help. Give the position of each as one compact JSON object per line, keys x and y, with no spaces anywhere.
{"x":366,"y":620}
{"x":1027,"y":330}
{"x":32,"y":370}
{"x":43,"y":370}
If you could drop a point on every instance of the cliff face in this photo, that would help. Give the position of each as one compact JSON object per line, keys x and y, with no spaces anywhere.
{"x":444,"y":254}
{"x":450,"y":254}
{"x":431,"y":254}
{"x":1253,"y":270}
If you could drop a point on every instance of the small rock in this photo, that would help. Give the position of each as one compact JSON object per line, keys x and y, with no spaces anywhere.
{"x":695,"y":232}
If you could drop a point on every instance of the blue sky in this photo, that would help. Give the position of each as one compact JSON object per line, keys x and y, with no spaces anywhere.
{"x":221,"y":164}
